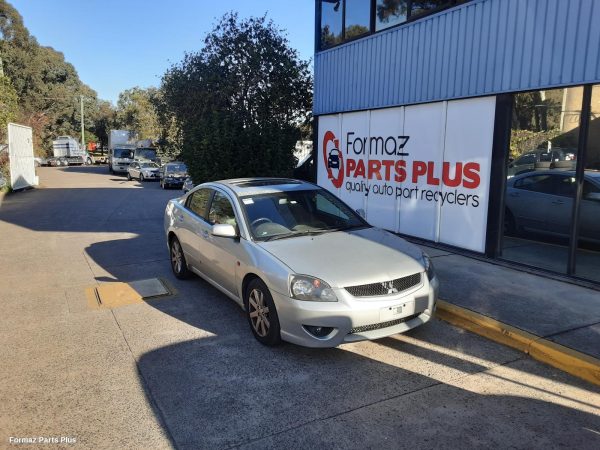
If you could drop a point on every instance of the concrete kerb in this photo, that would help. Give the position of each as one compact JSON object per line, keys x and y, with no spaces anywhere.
{"x":566,"y":359}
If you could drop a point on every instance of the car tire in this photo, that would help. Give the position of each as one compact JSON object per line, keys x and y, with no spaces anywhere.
{"x":88,"y":161}
{"x":178,"y":262}
{"x":261,"y":313}
{"x":141,"y":177}
{"x":128,"y":176}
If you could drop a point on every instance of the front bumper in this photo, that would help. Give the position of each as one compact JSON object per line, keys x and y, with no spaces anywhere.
{"x":355,"y":319}
{"x":173,"y":181}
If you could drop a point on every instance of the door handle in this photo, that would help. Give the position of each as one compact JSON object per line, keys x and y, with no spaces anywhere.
{"x":205,"y":234}
{"x":180,"y":218}
{"x":558,"y":202}
{"x":514,"y":194}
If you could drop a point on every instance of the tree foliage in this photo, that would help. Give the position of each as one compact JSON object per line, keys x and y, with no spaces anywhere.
{"x":136,"y":112}
{"x":47,"y":88}
{"x":239,"y":102}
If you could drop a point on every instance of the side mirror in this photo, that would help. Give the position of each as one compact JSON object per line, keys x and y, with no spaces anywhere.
{"x":224,"y":230}
{"x":361,"y":212}
{"x":593,"y":196}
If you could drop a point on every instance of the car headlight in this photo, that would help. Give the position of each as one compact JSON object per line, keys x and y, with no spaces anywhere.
{"x":303,"y":287}
{"x":428,"y":266}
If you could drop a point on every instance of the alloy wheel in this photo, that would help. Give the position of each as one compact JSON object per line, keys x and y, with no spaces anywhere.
{"x":176,"y":257}
{"x":259,"y":312}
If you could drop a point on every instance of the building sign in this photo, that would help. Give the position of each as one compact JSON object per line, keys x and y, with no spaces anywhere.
{"x":421,"y":170}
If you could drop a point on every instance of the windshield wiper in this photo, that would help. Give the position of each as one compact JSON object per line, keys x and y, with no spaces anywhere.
{"x":295,"y":234}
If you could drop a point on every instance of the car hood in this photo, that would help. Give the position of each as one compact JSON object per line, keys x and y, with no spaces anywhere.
{"x":348,"y":258}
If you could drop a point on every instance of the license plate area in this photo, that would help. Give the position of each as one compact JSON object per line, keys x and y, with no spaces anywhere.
{"x":396,"y":311}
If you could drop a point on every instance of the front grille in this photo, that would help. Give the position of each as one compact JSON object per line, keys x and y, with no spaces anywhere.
{"x":379,"y":326}
{"x":376,"y":289}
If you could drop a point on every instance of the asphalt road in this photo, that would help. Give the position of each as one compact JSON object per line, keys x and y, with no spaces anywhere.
{"x":185,"y":372}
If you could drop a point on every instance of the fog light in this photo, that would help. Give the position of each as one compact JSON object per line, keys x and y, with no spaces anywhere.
{"x":319,"y":332}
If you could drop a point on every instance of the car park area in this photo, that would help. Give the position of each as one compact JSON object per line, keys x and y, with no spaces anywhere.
{"x":178,"y":367}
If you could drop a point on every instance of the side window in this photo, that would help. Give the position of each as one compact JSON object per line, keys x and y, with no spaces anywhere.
{"x":536,"y":183}
{"x":221,"y":210}
{"x":565,"y":186}
{"x":198,"y":201}
{"x":526,"y":159}
{"x":589,"y":188}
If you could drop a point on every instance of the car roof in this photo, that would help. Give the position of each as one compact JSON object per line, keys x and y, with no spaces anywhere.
{"x":594,"y":174}
{"x":265,"y":185}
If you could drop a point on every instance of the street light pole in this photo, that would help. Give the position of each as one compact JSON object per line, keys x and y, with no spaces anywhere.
{"x":82,"y":125}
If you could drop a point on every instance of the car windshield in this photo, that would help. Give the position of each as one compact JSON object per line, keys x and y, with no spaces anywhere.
{"x":123,"y":153}
{"x":143,"y":153}
{"x":148,"y":166}
{"x":293,"y":213}
{"x":176,"y":168}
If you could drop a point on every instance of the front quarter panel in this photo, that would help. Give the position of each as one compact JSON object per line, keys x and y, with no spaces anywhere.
{"x":261,"y":263}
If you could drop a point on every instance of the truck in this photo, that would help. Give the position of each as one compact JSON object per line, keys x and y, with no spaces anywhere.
{"x":121,"y":147}
{"x":98,"y":153}
{"x":144,"y":151}
{"x":67,"y":151}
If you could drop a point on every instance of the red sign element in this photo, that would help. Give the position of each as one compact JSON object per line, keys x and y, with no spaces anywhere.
{"x":333,"y":160}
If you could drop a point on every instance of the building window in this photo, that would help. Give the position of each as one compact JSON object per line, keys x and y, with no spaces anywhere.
{"x":587,"y":260}
{"x":357,"y":14}
{"x":552,"y":206}
{"x":419,"y":8}
{"x":331,"y":23}
{"x":541,"y":188}
{"x":343,"y":20}
{"x":389,"y":13}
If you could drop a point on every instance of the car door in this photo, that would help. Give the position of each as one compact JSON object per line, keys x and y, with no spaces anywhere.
{"x":560,"y":204}
{"x":134,"y":170}
{"x":589,"y":227}
{"x":223,"y":252}
{"x":529,"y":200}
{"x":193,"y":228}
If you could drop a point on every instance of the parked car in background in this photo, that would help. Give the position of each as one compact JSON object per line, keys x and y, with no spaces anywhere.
{"x":188,"y":185}
{"x":539,"y":158}
{"x":542,"y":202}
{"x":305,"y":266}
{"x":143,"y":171}
{"x":173,"y":174}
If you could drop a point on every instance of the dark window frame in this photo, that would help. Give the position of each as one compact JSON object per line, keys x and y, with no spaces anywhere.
{"x":188,"y":200}
{"x":372,"y":21}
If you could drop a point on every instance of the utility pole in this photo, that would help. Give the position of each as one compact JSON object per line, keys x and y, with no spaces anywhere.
{"x":82,"y":125}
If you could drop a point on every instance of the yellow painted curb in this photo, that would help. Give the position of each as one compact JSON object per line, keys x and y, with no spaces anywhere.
{"x":556,"y":355}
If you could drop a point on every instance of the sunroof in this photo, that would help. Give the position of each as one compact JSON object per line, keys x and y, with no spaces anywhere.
{"x":264,"y":182}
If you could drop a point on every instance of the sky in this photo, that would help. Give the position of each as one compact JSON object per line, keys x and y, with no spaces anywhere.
{"x":116,"y":45}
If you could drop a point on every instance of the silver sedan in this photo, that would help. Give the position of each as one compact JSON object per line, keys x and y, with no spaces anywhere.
{"x":304,"y":266}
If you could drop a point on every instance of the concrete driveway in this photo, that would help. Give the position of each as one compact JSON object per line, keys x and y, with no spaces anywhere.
{"x":185,"y":371}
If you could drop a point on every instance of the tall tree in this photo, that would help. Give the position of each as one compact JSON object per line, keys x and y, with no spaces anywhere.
{"x":47,"y":87}
{"x":240,"y":101}
{"x":136,"y":112}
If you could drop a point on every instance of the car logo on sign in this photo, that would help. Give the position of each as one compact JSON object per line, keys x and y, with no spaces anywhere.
{"x":389,"y":285}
